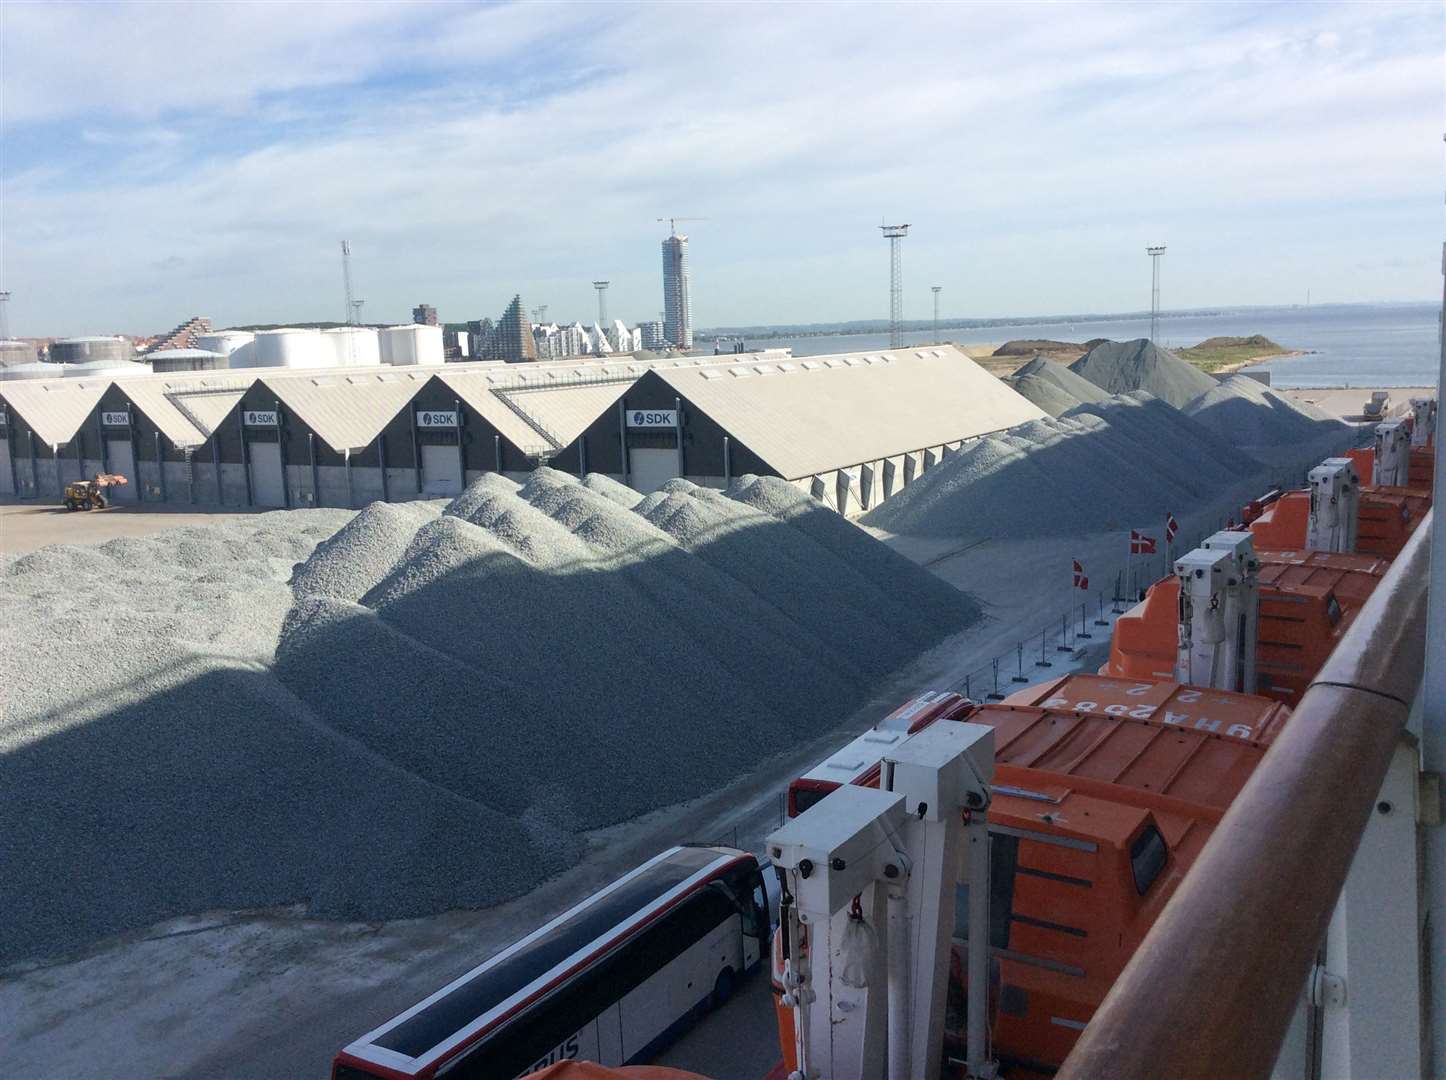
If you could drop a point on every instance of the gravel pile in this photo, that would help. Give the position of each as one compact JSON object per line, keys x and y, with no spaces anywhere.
{"x":186,"y":777}
{"x":1053,"y":386}
{"x":1248,"y":413}
{"x":408,"y":709}
{"x":362,"y":551}
{"x":579,"y":663}
{"x":1120,"y":367}
{"x":1104,"y":465}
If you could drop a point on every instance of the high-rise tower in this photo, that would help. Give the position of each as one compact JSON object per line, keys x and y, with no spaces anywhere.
{"x":677,"y":307}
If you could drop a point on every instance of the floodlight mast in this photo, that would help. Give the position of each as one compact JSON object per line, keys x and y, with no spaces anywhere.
{"x":895,"y":235}
{"x":1154,"y":252}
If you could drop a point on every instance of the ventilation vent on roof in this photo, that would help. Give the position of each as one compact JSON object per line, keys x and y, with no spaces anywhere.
{"x":921,"y":354}
{"x":835,"y":362}
{"x":766,"y":369}
{"x":936,"y":354}
{"x":887,"y":359}
{"x":739,"y":372}
{"x":811,"y":365}
{"x":386,"y":378}
{"x":788,"y":369}
{"x":873,"y":361}
{"x":636,"y":369}
{"x":854,"y":361}
{"x":711,"y":373}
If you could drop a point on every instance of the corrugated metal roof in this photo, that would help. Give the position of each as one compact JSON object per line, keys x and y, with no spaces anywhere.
{"x":565,"y":410}
{"x":149,"y":395}
{"x":835,"y":411}
{"x":475,"y":389}
{"x":54,"y":408}
{"x":347,"y":407}
{"x":205,"y":408}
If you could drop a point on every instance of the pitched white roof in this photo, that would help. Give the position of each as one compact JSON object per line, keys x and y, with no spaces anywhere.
{"x":347,"y":407}
{"x":54,"y":408}
{"x":819,"y":413}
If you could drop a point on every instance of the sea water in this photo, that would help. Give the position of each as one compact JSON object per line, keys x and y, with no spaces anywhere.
{"x":1347,"y":344}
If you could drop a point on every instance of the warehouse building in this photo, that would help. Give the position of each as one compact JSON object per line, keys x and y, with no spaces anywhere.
{"x":850,"y":430}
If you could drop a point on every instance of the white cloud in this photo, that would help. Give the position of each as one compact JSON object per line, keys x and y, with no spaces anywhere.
{"x":471,"y":152}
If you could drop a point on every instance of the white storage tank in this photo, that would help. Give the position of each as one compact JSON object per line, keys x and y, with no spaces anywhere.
{"x":412,"y":344}
{"x":91,"y":369}
{"x":238,"y":346}
{"x":290,"y":347}
{"x":354,"y":346}
{"x":17,"y":352}
{"x":33,"y":370}
{"x":83,"y":350}
{"x":163,"y":360}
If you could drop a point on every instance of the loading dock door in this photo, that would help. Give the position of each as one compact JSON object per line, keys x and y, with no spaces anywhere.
{"x":123,"y":461}
{"x":268,"y":486}
{"x":650,"y":469}
{"x":7,"y":480}
{"x":441,"y":470}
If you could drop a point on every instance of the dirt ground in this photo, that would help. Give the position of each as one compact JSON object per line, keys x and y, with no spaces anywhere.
{"x":27,"y":525}
{"x":1346,"y":403}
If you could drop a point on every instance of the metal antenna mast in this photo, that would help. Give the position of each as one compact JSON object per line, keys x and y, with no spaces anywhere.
{"x":894,"y":234}
{"x":356,"y":306}
{"x":936,"y":289}
{"x":4,"y":315}
{"x":602,"y":302}
{"x":352,"y":312}
{"x":1154,"y":253}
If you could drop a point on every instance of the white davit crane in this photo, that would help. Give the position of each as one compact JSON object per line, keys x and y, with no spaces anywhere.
{"x":1219,"y":613}
{"x":1423,"y":421}
{"x":1335,"y":507}
{"x":868,"y":885}
{"x":1393,"y":454}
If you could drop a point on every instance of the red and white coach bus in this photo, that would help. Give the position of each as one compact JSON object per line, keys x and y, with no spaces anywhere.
{"x":609,"y":981}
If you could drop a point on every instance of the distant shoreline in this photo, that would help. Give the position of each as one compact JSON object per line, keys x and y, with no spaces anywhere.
{"x":1239,"y":365}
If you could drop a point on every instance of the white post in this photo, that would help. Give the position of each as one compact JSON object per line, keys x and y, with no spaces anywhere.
{"x":898,"y":987}
{"x":977,"y":1022}
{"x":1433,"y":737}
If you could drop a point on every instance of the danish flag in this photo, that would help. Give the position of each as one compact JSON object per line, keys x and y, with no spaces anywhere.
{"x":1080,"y":581}
{"x":1171,"y":528}
{"x":1140,"y":544}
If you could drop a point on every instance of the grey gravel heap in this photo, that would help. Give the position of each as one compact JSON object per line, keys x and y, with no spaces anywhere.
{"x":1121,"y":367}
{"x":401,"y":711}
{"x":1053,"y":386}
{"x":1103,"y":465}
{"x":1248,"y":413}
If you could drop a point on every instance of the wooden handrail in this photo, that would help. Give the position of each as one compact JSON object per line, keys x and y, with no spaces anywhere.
{"x":1212,"y":988}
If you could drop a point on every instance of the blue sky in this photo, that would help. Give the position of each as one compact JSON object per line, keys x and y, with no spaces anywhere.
{"x":169,"y":159}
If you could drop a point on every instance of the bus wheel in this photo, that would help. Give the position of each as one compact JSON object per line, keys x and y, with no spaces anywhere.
{"x":723,"y":988}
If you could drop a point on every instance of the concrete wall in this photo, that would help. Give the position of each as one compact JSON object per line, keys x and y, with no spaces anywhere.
{"x":332,"y":483}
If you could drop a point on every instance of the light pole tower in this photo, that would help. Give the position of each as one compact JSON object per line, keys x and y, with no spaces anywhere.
{"x":1154,"y":253}
{"x":5,"y":315}
{"x":894,"y":234}
{"x":602,"y":302}
{"x":936,"y":289}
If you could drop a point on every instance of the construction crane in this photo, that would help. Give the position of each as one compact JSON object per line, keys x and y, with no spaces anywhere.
{"x":672,"y":222}
{"x":352,"y":313}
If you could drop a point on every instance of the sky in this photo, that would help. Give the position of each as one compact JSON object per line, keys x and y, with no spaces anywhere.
{"x":165,"y":160}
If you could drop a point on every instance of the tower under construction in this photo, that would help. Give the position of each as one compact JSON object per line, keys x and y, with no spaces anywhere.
{"x":677,"y":306}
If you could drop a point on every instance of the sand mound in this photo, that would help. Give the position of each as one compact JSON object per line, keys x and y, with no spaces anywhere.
{"x":1120,"y":367}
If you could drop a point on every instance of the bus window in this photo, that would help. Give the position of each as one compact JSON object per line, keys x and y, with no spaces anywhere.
{"x":1148,"y":855}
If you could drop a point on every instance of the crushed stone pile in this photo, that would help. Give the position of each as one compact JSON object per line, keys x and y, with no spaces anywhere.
{"x":1104,"y":465}
{"x":418,"y":706}
{"x":186,"y":777}
{"x":549,"y":653}
{"x":1053,"y":386}
{"x":1249,"y":413}
{"x":1120,"y":367}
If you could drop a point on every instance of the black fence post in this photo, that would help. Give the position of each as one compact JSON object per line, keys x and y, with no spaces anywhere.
{"x":1083,"y":633}
{"x":1102,"y":621}
{"x":1042,"y":661}
{"x":1064,"y":645}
